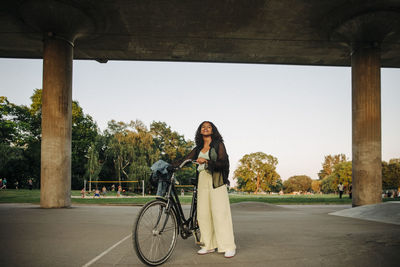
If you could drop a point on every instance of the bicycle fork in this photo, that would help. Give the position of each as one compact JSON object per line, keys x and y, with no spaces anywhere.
{"x":195,"y":225}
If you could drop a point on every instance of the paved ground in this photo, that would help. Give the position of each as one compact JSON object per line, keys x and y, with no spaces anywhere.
{"x":388,"y":212}
{"x":266,"y":235}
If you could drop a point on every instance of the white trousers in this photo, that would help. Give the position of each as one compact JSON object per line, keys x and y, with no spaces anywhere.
{"x":214,"y":215}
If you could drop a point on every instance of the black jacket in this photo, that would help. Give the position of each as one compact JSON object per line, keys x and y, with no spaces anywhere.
{"x":218,"y":165}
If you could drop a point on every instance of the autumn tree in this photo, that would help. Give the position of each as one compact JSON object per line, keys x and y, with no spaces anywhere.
{"x":316,"y":186}
{"x":328,"y":164}
{"x":299,"y":183}
{"x":256,"y":172}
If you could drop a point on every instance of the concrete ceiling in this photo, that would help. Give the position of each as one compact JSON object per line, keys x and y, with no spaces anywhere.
{"x":304,"y":32}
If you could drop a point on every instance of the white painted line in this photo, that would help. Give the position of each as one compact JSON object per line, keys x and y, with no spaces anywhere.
{"x":106,"y":251}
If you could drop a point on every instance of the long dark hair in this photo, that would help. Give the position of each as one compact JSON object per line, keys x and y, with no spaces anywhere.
{"x":215,"y":136}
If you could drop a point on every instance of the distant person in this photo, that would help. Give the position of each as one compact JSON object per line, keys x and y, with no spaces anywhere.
{"x":113,"y":187}
{"x":97,"y":193}
{"x":4,"y":186}
{"x":104,"y":190}
{"x":16,"y":185}
{"x":119,"y":191}
{"x":1,"y":182}
{"x":350,"y":191}
{"x":30,"y":184}
{"x":341,"y":189}
{"x":83,"y":192}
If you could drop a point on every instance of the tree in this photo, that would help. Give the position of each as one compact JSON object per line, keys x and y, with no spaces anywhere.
{"x":21,"y":129}
{"x":342,"y":172}
{"x":328,"y":164}
{"x":117,"y":148}
{"x":84,"y":133}
{"x":93,"y":165}
{"x":8,"y":125}
{"x":131,"y":148}
{"x":329,"y":184}
{"x":316,"y":186}
{"x":19,"y":143}
{"x":256,"y":172}
{"x":391,"y":174}
{"x":299,"y":183}
{"x":173,"y":147}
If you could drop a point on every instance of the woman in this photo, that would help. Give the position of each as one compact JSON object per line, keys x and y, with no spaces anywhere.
{"x":213,"y":209}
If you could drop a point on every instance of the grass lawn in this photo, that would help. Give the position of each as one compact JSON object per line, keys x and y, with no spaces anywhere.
{"x":33,"y":196}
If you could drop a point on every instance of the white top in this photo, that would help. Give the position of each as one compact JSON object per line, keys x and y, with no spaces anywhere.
{"x":202,"y":167}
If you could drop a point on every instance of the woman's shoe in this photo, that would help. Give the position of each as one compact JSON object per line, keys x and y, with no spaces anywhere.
{"x":230,"y":253}
{"x":204,"y":251}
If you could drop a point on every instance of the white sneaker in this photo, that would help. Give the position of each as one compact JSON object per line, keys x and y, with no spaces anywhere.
{"x":204,"y":251}
{"x":230,"y":253}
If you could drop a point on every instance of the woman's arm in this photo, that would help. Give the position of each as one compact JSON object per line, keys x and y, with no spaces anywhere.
{"x":221,"y":161}
{"x":191,"y":156}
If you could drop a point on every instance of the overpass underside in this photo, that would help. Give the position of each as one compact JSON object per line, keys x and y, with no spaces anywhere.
{"x":361,"y":34}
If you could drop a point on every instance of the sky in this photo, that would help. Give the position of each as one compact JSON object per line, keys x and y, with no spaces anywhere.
{"x":298,"y":114}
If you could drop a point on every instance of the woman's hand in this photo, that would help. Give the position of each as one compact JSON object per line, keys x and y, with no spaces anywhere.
{"x":201,"y":160}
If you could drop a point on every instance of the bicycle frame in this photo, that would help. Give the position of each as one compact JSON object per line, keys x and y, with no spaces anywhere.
{"x":185,"y":226}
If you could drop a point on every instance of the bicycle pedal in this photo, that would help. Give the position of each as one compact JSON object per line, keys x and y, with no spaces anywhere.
{"x":200,"y":244}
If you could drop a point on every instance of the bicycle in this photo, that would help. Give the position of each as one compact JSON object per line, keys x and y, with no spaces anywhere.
{"x":160,"y":221}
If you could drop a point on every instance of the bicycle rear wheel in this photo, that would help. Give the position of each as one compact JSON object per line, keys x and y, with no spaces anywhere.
{"x":153,"y":245}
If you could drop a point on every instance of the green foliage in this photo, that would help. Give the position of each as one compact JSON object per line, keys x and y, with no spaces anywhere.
{"x":171,"y":144}
{"x":84,"y":134}
{"x":131,"y":149}
{"x":173,"y":147}
{"x":329,"y":184}
{"x":257,"y":172}
{"x":391,"y":174}
{"x":19,"y":144}
{"x":8,"y":129}
{"x":342,"y":172}
{"x":298,"y":183}
{"x":21,"y":140}
{"x":93,"y":165}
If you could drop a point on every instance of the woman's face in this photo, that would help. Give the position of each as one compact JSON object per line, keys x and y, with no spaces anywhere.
{"x":206,"y":129}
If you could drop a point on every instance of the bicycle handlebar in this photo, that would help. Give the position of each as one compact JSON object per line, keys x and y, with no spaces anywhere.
{"x":185,"y":162}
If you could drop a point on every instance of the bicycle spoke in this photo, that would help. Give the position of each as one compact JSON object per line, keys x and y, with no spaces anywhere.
{"x":151,"y":248}
{"x":167,"y":229}
{"x":153,"y":243}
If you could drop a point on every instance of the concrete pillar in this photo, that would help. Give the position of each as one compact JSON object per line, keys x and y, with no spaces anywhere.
{"x":366,"y":113}
{"x":56,"y":124}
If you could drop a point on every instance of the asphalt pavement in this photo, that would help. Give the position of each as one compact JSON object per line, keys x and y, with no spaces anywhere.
{"x":265,"y":235}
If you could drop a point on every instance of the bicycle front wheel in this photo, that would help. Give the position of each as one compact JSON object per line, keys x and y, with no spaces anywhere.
{"x":154,"y":233}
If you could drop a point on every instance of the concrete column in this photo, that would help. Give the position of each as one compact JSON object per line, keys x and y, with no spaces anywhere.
{"x":56,"y":124}
{"x":366,"y":113}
